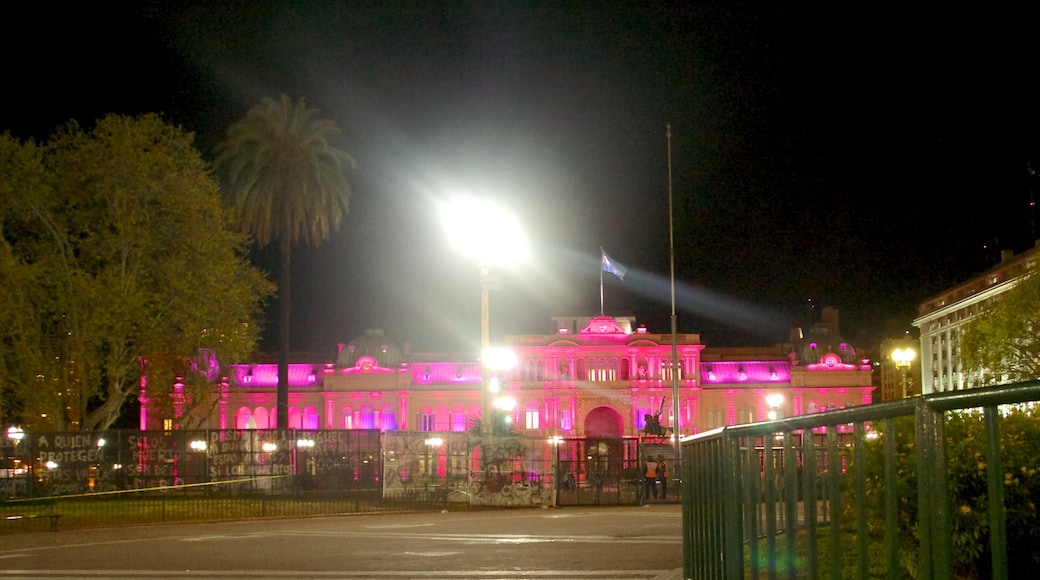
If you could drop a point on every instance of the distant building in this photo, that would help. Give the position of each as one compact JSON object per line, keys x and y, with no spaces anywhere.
{"x":593,"y":377}
{"x":941,"y":318}
{"x":894,"y":382}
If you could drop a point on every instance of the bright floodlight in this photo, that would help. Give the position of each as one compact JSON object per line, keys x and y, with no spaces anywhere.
{"x":774,"y":400}
{"x":505,"y":403}
{"x":485,"y":231}
{"x":500,"y":359}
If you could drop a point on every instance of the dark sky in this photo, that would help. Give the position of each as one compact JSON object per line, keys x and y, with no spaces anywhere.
{"x":821,"y":156}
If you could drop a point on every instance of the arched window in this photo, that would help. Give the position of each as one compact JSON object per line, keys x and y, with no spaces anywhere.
{"x":368,"y":418}
{"x":242,"y":417}
{"x":458,"y":418}
{"x":310,"y":418}
{"x":388,"y":419}
{"x":261,"y":418}
{"x":427,"y":420}
{"x":346,"y":414}
{"x":624,"y":369}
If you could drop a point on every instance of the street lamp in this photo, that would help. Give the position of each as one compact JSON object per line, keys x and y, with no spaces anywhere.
{"x":493,"y":236}
{"x":903,"y":357}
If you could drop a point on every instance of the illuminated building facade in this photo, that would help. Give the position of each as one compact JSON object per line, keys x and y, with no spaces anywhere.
{"x":593,"y":377}
{"x":941,"y":318}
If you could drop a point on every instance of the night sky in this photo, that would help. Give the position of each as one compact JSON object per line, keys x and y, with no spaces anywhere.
{"x":821,"y":156}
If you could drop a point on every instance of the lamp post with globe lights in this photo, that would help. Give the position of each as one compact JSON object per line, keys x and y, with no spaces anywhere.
{"x":903,"y":358}
{"x":493,"y":236}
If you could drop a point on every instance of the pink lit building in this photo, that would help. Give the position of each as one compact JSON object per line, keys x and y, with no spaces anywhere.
{"x":594,"y":377}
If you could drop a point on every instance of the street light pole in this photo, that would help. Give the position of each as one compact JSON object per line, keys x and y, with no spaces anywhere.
{"x":903,"y":358}
{"x":676,"y":422}
{"x":494,"y":237}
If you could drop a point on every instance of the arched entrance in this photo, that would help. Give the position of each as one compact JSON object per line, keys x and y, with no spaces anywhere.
{"x":592,"y":468}
{"x":603,"y":423}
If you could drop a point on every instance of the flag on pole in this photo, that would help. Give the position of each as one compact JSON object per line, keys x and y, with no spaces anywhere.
{"x":613,"y":266}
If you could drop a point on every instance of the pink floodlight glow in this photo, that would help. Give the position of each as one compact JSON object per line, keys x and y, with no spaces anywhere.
{"x":746,"y":372}
{"x":830,"y":362}
{"x":266,"y":375}
{"x":366,"y":364}
{"x":434,"y":373}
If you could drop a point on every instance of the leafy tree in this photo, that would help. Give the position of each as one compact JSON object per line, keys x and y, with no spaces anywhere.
{"x":285,"y":182}
{"x":966,"y":471}
{"x":1002,"y":343}
{"x":118,"y":261}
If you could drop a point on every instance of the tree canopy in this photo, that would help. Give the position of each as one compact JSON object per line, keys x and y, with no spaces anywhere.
{"x":118,"y":262}
{"x":284,"y":181}
{"x":1002,"y":343}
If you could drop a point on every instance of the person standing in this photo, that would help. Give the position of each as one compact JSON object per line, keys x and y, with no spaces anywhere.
{"x":649,"y":478}
{"x":662,"y":476}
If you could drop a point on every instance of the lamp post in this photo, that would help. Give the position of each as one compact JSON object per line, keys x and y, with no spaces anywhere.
{"x":554,"y":448}
{"x":903,"y":357}
{"x":493,"y":236}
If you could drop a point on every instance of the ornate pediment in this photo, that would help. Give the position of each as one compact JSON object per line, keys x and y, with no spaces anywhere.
{"x":366,"y":364}
{"x":603,"y":325}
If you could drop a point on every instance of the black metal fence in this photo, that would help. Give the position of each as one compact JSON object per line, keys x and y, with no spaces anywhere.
{"x":61,"y":464}
{"x":119,"y":477}
{"x":886,"y":490}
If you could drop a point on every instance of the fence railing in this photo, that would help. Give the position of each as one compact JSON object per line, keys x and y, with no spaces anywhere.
{"x":117,"y":477}
{"x":199,"y":503}
{"x":883,"y":490}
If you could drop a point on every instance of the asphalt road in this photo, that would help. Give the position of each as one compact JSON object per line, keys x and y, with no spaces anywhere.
{"x":617,"y":543}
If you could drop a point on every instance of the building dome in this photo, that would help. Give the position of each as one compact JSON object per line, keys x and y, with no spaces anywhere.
{"x":822,"y":339}
{"x":373,"y":343}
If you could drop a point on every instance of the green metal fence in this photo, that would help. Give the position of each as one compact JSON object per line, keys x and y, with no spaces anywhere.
{"x":879,"y":491}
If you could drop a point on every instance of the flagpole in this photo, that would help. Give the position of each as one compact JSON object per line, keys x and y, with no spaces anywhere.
{"x":601,"y":254}
{"x":676,"y":422}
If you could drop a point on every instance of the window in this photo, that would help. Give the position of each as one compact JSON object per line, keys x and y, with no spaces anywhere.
{"x":565,"y":420}
{"x":388,"y":419}
{"x":531,"y":416}
{"x":368,"y":418}
{"x":641,"y":417}
{"x":427,"y":422}
{"x":458,"y":422}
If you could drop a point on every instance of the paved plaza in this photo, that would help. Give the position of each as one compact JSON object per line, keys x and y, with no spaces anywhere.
{"x":599,"y":543}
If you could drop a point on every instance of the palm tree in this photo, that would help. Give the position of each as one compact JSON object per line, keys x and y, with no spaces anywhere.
{"x":284,"y":182}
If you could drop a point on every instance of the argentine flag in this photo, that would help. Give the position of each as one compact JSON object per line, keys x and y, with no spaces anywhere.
{"x":613,"y":266}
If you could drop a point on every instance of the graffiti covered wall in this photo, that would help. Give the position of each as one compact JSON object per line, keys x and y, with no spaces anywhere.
{"x":468,"y":468}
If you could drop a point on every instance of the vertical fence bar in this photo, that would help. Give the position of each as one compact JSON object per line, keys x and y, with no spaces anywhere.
{"x":717,"y":530}
{"x":935,"y":560}
{"x":790,"y":464}
{"x":687,"y":506}
{"x":750,"y":478}
{"x":834,"y":499}
{"x":860,"y":473}
{"x":770,"y":501}
{"x":995,"y":494}
{"x":732,"y":519}
{"x":888,"y":432}
{"x":809,"y":500}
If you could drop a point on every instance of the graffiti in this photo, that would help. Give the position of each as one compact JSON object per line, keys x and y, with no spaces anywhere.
{"x":462,"y":467}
